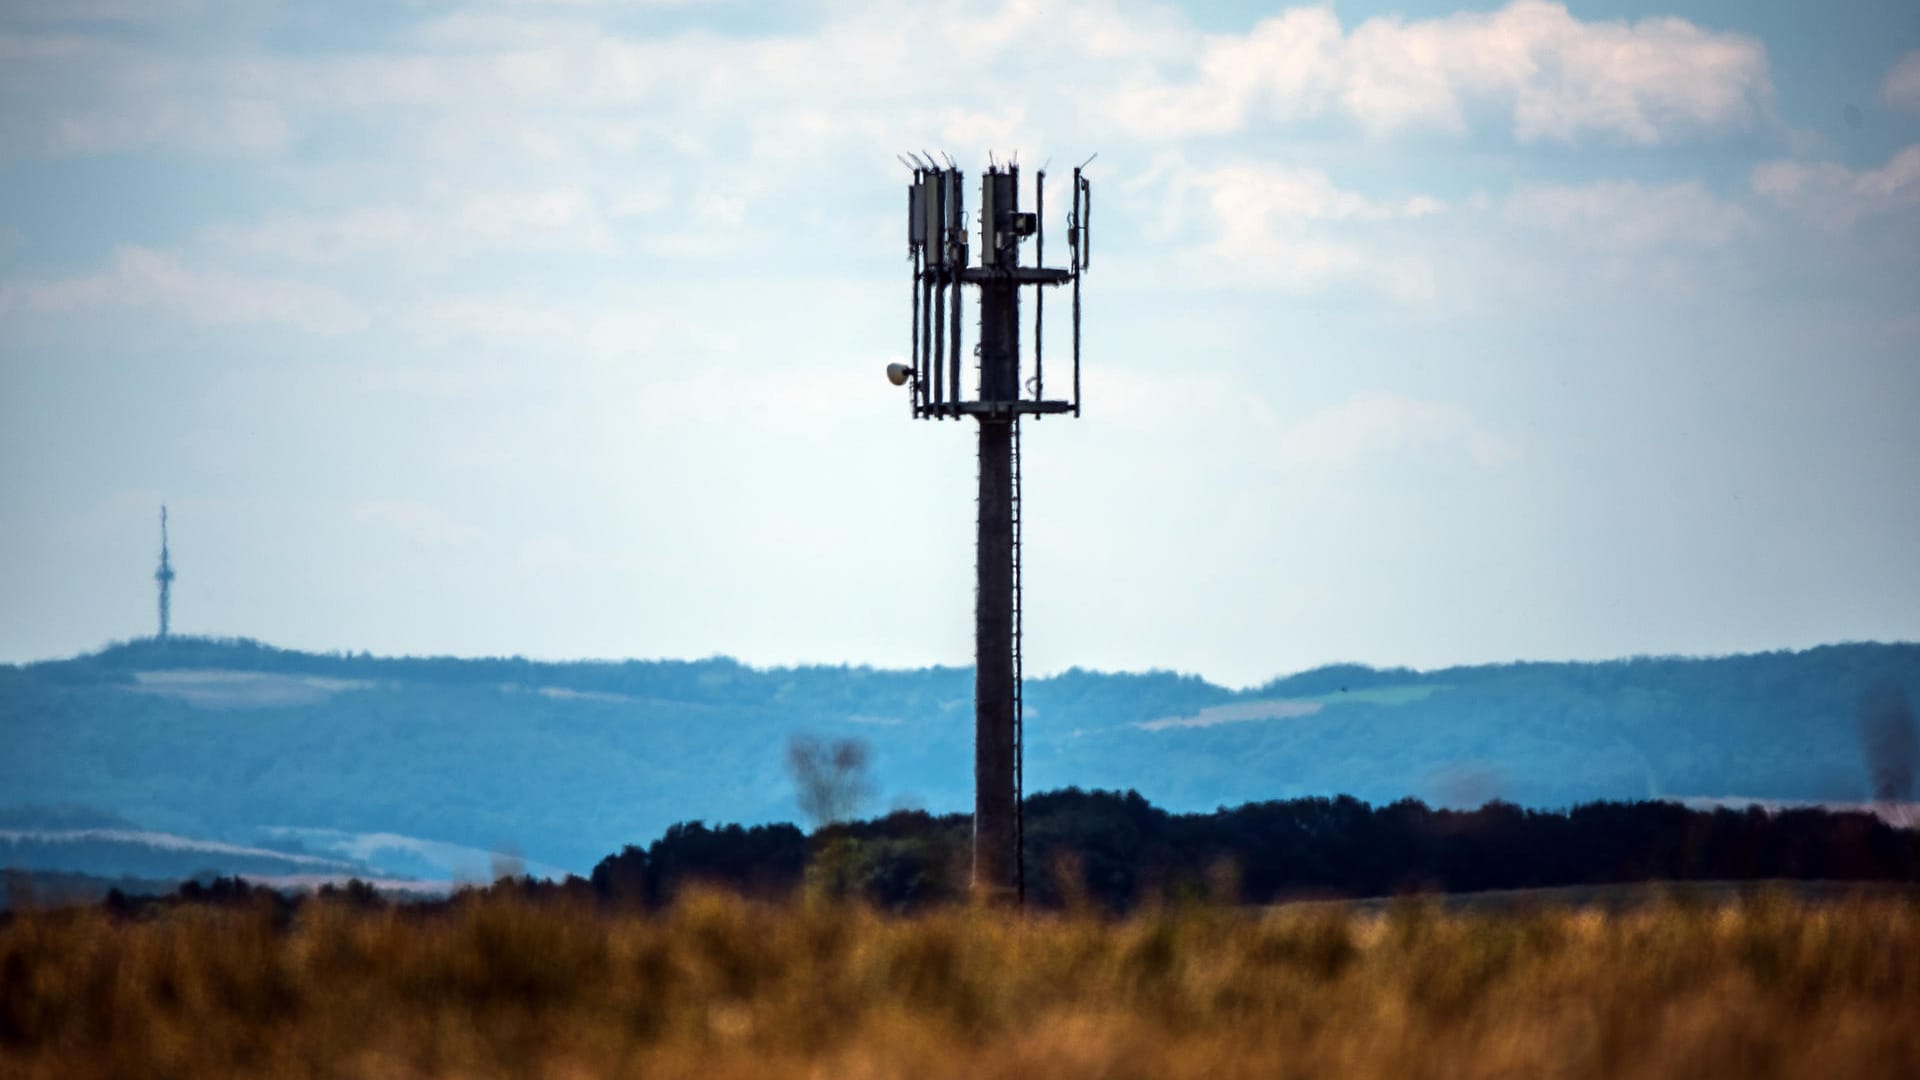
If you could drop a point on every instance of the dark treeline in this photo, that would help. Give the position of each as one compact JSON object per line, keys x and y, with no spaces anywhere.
{"x":1116,"y":851}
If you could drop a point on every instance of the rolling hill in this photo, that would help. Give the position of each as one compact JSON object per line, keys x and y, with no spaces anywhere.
{"x":424,"y":766}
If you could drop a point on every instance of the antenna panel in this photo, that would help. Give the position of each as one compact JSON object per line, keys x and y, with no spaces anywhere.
{"x":989,"y":233}
{"x":932,"y":200}
{"x":1083,"y":217}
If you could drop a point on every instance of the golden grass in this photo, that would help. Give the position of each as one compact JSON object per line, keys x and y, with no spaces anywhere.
{"x":718,"y":987}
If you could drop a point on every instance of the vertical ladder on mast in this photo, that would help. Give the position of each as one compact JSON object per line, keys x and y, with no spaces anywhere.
{"x":1019,"y":695}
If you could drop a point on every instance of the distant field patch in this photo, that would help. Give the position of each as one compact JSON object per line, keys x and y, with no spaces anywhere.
{"x":159,"y":841}
{"x":1382,"y":695}
{"x":212,"y":689}
{"x":1243,"y":712}
{"x":562,"y":693}
{"x":411,"y":856}
{"x":1240,"y":712}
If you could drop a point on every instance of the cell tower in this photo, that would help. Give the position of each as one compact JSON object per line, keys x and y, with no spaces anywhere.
{"x":1003,"y":392}
{"x":164,"y":576}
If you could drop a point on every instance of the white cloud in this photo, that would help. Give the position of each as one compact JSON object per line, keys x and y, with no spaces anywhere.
{"x":141,"y":278}
{"x":1281,"y":226}
{"x":1221,"y":417}
{"x":550,"y":83}
{"x":583,"y":328}
{"x":496,"y":318}
{"x":563,"y":217}
{"x":1247,"y":197}
{"x":350,"y":234}
{"x":1374,"y":424}
{"x":1834,"y":195}
{"x":1626,"y":217}
{"x":1902,"y":87}
{"x":1549,"y":74}
{"x":1306,"y":262}
{"x":447,"y":224}
{"x":641,"y":199}
{"x":1289,"y":65}
{"x":239,"y":125}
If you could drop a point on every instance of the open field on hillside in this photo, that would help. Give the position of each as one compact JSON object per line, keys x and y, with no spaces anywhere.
{"x":495,"y":986}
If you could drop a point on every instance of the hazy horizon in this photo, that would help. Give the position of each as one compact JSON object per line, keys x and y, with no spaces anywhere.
{"x":1031,"y":675}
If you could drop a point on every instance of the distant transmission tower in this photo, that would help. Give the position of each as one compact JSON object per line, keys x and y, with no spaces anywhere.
{"x":937,"y":244}
{"x":164,"y":576}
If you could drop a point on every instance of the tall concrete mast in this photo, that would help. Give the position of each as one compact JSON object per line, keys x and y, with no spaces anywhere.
{"x":164,"y":576}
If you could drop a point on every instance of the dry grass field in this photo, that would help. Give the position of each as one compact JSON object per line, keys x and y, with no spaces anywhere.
{"x":718,"y":987}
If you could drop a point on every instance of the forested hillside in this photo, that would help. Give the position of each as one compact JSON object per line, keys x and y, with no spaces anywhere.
{"x":395,"y":762}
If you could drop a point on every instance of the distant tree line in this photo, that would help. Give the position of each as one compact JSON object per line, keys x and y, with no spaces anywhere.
{"x":767,"y":861}
{"x":1115,"y":851}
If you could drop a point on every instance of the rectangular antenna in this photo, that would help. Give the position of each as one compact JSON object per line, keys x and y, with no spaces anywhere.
{"x":1040,"y":295}
{"x":1086,"y":224}
{"x":958,"y":236}
{"x":989,"y":241}
{"x":931,"y":223}
{"x":919,"y":392}
{"x":1079,"y":240}
{"x":937,"y":278}
{"x":930,"y":380}
{"x":916,"y":217}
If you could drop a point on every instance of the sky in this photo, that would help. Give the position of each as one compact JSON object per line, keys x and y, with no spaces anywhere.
{"x":1419,"y":333}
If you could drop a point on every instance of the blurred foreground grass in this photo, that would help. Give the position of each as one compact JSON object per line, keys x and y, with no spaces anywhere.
{"x":496,"y":986}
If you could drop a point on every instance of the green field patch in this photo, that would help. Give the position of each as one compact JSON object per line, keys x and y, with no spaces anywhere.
{"x":1405,"y":694}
